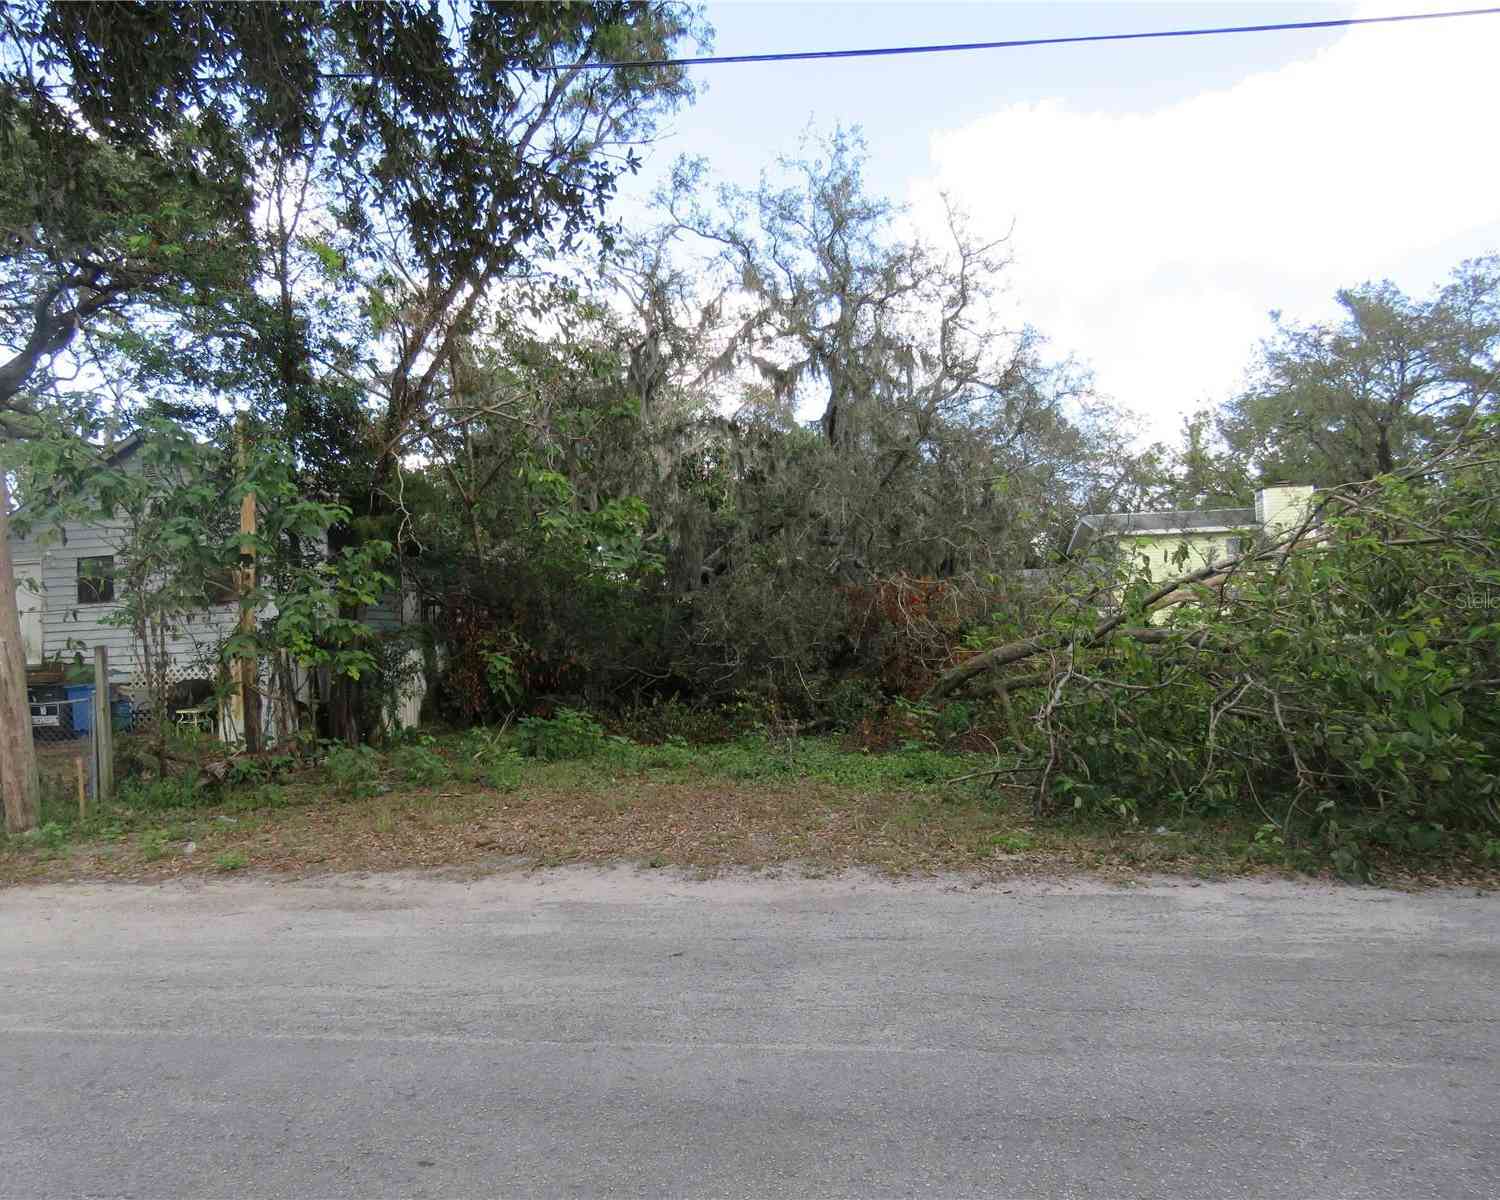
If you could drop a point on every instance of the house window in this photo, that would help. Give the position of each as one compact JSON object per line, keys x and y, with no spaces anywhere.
{"x":1233,"y":546}
{"x":96,"y":579}
{"x":222,"y":587}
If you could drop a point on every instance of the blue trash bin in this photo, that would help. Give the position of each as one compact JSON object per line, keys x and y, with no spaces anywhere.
{"x":81,"y":701}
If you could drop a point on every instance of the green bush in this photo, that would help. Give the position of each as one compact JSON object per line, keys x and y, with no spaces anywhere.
{"x":353,"y":771}
{"x":153,"y":844}
{"x":50,"y":836}
{"x":486,"y":756}
{"x":759,"y":759}
{"x":672,"y":719}
{"x":921,"y":766}
{"x":421,"y":766}
{"x":262,"y":769}
{"x":569,"y":734}
{"x":271,"y":795}
{"x":849,"y":701}
{"x":955,"y":719}
{"x":246,"y":770}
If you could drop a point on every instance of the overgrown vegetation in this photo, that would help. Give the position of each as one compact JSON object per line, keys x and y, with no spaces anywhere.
{"x":815,"y":804}
{"x":688,"y":496}
{"x":1338,"y":685}
{"x":758,"y":800}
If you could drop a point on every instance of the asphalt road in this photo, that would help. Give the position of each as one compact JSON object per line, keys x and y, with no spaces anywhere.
{"x":619,"y":1034}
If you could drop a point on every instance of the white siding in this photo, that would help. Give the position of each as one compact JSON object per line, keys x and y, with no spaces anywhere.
{"x":70,"y":628}
{"x":30,"y":606}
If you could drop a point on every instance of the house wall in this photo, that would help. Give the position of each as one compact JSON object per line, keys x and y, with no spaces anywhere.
{"x":29,"y":608}
{"x":1159,"y":551}
{"x":70,"y":629}
{"x":1279,"y":509}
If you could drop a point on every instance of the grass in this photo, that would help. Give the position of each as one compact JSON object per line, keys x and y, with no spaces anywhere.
{"x":472,"y":801}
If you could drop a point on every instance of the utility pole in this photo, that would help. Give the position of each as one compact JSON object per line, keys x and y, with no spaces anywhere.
{"x":247,"y":664}
{"x":20,"y":787}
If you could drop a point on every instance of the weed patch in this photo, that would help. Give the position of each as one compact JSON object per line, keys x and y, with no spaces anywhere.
{"x":352,"y":770}
{"x":569,"y":734}
{"x":421,"y":766}
{"x":583,"y":796}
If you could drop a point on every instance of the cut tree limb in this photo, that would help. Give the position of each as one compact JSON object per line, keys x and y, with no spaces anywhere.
{"x":1170,"y":593}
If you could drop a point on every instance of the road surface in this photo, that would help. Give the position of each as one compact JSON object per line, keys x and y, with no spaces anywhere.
{"x":637,"y":1034}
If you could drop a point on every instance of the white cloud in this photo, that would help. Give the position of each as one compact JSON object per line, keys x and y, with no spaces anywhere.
{"x":1154,"y":243}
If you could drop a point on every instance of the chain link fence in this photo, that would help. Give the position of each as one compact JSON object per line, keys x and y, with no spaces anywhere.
{"x":170,"y":718}
{"x":167,"y":716}
{"x":64,"y":711}
{"x":62,"y":727}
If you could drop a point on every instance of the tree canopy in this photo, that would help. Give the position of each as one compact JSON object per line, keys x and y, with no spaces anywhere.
{"x":1394,"y":377}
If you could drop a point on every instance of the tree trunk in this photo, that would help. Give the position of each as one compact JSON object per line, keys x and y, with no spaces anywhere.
{"x":20,"y":788}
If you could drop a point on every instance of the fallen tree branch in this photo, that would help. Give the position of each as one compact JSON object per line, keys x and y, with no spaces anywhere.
{"x":1165,"y":596}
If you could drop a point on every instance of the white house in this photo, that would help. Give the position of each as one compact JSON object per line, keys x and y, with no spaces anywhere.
{"x":69,"y":603}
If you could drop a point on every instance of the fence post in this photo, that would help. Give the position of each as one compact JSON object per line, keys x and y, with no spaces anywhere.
{"x":104,"y":729}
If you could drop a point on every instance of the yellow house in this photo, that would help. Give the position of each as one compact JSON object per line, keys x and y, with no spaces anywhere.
{"x":1173,"y":543}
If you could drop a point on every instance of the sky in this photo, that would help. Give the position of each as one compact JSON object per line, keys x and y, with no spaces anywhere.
{"x":1160,"y":198}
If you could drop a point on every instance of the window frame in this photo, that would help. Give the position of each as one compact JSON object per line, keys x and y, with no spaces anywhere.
{"x":222,"y":588}
{"x":95,"y":588}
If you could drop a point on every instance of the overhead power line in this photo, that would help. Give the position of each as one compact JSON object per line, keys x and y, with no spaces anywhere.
{"x":1017,"y":43}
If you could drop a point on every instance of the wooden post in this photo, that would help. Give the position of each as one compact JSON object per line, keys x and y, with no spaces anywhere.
{"x":104,"y":728}
{"x":249,"y":696}
{"x":83,"y":790}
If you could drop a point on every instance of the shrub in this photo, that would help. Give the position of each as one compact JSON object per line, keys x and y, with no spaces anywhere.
{"x":916,"y":765}
{"x":674,"y":754}
{"x":153,"y":844}
{"x":566,"y":735}
{"x":421,"y":766}
{"x":353,"y":771}
{"x":271,"y":795}
{"x":666,"y":720}
{"x":485,"y":756}
{"x":246,"y":770}
{"x":955,"y":719}
{"x":850,"y":701}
